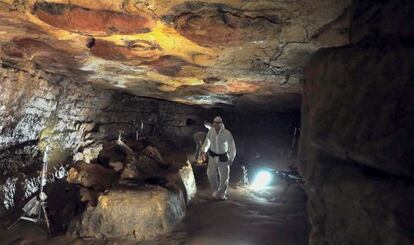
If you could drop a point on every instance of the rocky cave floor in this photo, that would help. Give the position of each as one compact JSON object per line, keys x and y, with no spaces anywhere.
{"x":247,"y":217}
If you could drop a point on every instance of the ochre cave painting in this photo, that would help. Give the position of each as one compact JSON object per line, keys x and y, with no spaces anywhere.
{"x":174,"y":44}
{"x":169,"y":65}
{"x":214,"y":27}
{"x":138,"y":50}
{"x":40,"y":53}
{"x":92,"y":22}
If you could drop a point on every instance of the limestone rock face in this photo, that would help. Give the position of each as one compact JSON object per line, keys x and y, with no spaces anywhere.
{"x":384,"y":19}
{"x":92,"y":176}
{"x":138,"y":214}
{"x":369,"y":123}
{"x":359,"y":168}
{"x":197,"y":52}
{"x":356,"y":147}
{"x":73,"y":118}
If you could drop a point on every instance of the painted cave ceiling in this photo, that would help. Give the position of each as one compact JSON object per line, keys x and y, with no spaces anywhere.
{"x":211,"y":52}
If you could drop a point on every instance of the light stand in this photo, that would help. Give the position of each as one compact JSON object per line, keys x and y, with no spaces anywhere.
{"x":244,"y":180}
{"x":35,"y":208}
{"x":291,"y":177}
{"x":138,"y":130}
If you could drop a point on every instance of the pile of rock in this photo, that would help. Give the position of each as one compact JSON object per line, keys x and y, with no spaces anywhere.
{"x":131,"y":192}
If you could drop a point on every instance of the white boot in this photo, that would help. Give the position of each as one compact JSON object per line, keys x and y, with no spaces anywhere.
{"x":222,"y":197}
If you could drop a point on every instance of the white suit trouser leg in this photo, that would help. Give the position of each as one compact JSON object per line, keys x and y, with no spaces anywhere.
{"x":218,"y":175}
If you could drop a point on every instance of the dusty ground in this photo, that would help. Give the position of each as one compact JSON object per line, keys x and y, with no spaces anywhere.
{"x":245,"y":218}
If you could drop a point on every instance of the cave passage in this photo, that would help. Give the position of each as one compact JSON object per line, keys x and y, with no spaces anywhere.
{"x":135,"y":175}
{"x":109,"y":109}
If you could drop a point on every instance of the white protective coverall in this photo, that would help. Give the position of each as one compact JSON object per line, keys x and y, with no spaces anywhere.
{"x":219,"y":143}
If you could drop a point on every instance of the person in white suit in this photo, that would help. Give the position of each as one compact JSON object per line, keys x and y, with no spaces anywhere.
{"x":221,"y":149}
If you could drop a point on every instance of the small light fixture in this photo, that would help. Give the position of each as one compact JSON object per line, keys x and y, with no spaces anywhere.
{"x":262,"y":179}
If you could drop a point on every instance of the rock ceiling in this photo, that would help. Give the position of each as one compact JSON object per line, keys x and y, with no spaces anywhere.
{"x":231,"y":52}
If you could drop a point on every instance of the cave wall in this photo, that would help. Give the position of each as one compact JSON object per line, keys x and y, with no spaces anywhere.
{"x":356,"y":147}
{"x":39,"y":109}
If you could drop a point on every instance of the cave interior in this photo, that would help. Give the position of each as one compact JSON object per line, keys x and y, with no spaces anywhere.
{"x":105,"y":106}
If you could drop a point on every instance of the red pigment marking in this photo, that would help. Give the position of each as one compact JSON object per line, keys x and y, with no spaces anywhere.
{"x":41,"y":51}
{"x":17,"y":48}
{"x":207,"y":31}
{"x":110,"y":51}
{"x":168,"y":65}
{"x":97,"y":21}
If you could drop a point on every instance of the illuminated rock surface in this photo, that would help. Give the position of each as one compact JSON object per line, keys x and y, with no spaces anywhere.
{"x":132,"y":214}
{"x":196,"y":52}
{"x":245,"y":219}
{"x":73,"y":118}
{"x":70,"y":71}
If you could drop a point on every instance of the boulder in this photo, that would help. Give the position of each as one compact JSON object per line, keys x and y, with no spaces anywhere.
{"x":148,"y":166}
{"x":91,"y":153}
{"x":153,"y":153}
{"x":117,"y":166}
{"x":141,"y":213}
{"x":89,"y":196}
{"x":91,"y":176}
{"x":131,"y":171}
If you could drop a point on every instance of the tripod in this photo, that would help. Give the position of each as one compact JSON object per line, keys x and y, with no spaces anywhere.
{"x":244,"y":180}
{"x":35,"y":208}
{"x":291,"y":177}
{"x":281,"y":199}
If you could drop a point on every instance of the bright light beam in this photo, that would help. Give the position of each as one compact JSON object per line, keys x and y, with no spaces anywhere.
{"x":262,"y":179}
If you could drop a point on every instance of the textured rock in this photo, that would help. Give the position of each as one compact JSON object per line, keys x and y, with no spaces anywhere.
{"x":153,"y":153}
{"x":138,"y":214}
{"x":148,"y":166}
{"x":376,"y":90}
{"x":89,"y":196}
{"x":90,"y":153}
{"x":390,"y":19}
{"x":356,"y":147}
{"x":95,"y":180}
{"x":117,"y":166}
{"x":92,"y":22}
{"x":195,"y":52}
{"x":92,"y":176}
{"x":73,"y":118}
